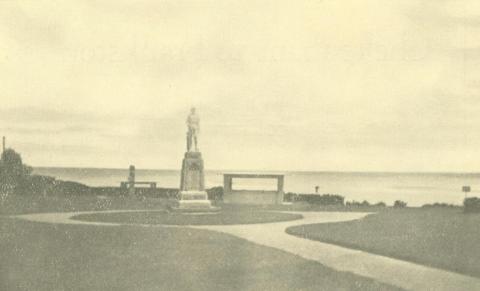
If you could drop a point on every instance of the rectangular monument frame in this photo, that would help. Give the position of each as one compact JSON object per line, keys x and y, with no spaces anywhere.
{"x":252,"y":196}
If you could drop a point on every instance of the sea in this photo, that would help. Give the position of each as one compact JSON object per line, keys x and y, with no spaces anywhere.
{"x":416,"y":189}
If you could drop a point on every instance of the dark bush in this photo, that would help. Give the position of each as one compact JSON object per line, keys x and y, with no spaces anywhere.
{"x":12,"y":164}
{"x":13,"y":173}
{"x":36,"y":184}
{"x":171,"y":192}
{"x":17,"y":178}
{"x":399,"y":204}
{"x":437,"y":205}
{"x":109,"y":191}
{"x":215,"y":193}
{"x":357,"y":204}
{"x":139,"y":191}
{"x":70,"y":188}
{"x":326,"y":199}
{"x":380,"y":204}
{"x":289,"y":197}
{"x":471,"y":204}
{"x":155,"y":192}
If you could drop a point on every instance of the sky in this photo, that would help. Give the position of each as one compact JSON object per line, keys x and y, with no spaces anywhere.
{"x":368,"y":85}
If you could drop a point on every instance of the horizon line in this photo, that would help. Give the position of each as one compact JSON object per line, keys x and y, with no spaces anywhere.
{"x":260,"y":170}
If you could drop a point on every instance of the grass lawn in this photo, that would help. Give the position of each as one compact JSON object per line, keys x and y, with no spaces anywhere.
{"x":445,"y":238}
{"x":40,"y":256}
{"x":18,"y":204}
{"x":224,"y":217}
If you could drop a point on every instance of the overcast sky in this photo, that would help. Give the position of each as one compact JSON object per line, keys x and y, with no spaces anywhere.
{"x":368,"y":85}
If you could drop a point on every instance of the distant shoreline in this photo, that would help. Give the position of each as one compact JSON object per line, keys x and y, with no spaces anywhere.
{"x":416,"y":189}
{"x":272,"y":171}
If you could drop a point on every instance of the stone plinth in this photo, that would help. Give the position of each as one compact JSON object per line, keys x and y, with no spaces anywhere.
{"x":192,"y":201}
{"x":193,"y":178}
{"x":192,"y":196}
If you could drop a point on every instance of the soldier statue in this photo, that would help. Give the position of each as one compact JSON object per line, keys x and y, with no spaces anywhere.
{"x":193,"y":123}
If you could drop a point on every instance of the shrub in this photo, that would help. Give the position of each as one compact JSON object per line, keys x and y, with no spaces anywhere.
{"x":289,"y":197}
{"x":365,"y":203}
{"x":13,"y":173}
{"x":70,"y":188}
{"x":354,"y":203}
{"x":215,"y":193}
{"x":380,"y":204}
{"x":17,"y":178}
{"x":399,"y":204}
{"x":437,"y":205}
{"x":12,"y":164}
{"x":108,"y":191}
{"x":37,"y":184}
{"x":471,"y":204}
{"x":326,"y":199}
{"x":139,"y":191}
{"x":151,"y":192}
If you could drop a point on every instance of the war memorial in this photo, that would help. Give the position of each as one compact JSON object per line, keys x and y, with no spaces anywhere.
{"x":192,"y":195}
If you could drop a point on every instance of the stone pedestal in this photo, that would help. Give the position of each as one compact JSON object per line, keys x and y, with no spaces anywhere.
{"x":193,"y":178}
{"x":192,"y":195}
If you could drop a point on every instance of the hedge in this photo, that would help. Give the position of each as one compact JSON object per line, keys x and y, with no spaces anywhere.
{"x":326,"y":199}
{"x":399,"y":204}
{"x":471,"y":204}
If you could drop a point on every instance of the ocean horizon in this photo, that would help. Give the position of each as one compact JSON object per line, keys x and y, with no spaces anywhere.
{"x":416,"y":188}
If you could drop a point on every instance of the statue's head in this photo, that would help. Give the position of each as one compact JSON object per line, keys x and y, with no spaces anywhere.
{"x":192,"y":110}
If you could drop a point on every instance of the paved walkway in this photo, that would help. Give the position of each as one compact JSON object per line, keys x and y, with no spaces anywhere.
{"x":392,"y":271}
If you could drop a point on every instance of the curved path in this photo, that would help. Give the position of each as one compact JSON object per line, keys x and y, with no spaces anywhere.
{"x":391,"y":271}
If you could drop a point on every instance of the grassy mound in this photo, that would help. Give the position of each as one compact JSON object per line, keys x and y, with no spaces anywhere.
{"x":225,"y":217}
{"x":445,"y":238}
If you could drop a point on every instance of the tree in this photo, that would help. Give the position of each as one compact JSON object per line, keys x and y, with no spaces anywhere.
{"x":399,"y":204}
{"x":12,"y":171}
